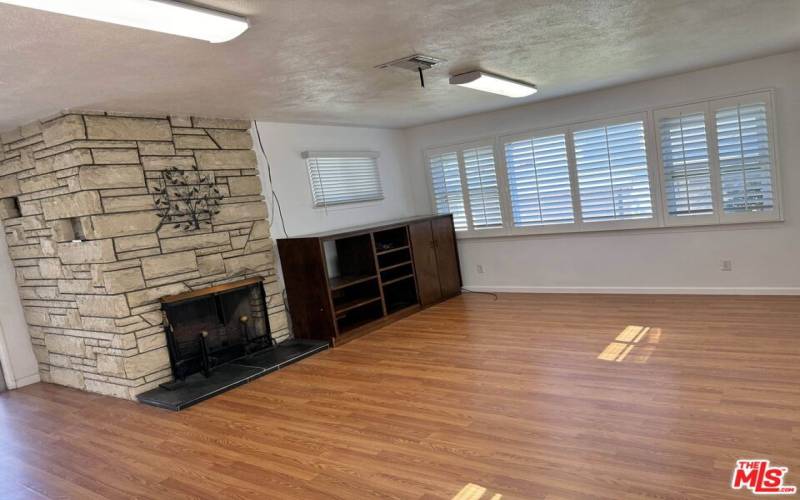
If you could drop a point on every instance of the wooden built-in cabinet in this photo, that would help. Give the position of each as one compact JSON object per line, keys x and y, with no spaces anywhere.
{"x":345,"y":283}
{"x":435,"y":259}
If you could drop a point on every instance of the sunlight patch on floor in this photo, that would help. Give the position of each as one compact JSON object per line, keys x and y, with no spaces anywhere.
{"x":634,"y":343}
{"x":476,"y":492}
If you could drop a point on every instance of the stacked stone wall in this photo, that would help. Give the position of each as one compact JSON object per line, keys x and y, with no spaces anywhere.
{"x":92,"y":306}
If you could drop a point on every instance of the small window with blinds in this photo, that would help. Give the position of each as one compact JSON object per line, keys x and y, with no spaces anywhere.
{"x":446,"y":184}
{"x":483,"y":191}
{"x":539,"y":181}
{"x":745,"y":163}
{"x":686,"y":171}
{"x":339,"y":178}
{"x":613,"y":177}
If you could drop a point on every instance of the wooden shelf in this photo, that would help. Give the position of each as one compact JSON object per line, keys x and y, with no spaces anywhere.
{"x":395,"y":265}
{"x":356,"y":330}
{"x":355,"y":326}
{"x":340,"y":282}
{"x":395,"y":280}
{"x":396,"y":249}
{"x":378,"y":269}
{"x":227,"y":287}
{"x":354,"y":304}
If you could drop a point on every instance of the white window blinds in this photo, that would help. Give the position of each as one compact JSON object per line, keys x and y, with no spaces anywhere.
{"x":482,"y":189}
{"x":685,"y":163}
{"x":613,"y":179}
{"x":538,"y":180}
{"x":338,"y":178}
{"x":744,"y":158}
{"x":447,"y":192}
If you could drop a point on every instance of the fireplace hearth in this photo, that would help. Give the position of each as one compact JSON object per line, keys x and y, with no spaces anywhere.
{"x":219,"y":338}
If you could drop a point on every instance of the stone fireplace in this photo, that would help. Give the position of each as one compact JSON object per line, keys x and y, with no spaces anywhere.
{"x":91,"y":254}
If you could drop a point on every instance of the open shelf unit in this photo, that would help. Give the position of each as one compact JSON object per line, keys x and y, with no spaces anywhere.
{"x":397,"y":249}
{"x":396,"y":269}
{"x":342,"y":284}
{"x":346,"y":281}
{"x":370,"y":275}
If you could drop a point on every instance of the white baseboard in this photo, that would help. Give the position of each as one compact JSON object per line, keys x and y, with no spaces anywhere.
{"x":22,"y":382}
{"x":641,"y":290}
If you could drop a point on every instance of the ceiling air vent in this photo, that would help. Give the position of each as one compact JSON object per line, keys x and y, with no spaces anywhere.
{"x":416,"y":63}
{"x":412,"y":63}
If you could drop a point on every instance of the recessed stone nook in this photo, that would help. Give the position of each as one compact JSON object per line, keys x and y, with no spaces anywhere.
{"x":92,"y":262}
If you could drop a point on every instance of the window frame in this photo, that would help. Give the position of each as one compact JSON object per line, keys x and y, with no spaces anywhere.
{"x":713,"y":165}
{"x":765,"y":97}
{"x":439,"y":152}
{"x":541,"y":228}
{"x":501,"y":183}
{"x":660,"y":216}
{"x":579,"y":225}
{"x":655,"y":218}
{"x":312,"y":154}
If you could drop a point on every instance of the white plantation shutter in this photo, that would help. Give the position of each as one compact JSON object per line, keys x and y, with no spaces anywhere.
{"x":685,"y":163}
{"x":744,"y":158}
{"x":447,"y":192}
{"x":338,"y":178}
{"x":714,"y":164}
{"x":613,"y":179}
{"x":538,"y":181}
{"x":483,"y":191}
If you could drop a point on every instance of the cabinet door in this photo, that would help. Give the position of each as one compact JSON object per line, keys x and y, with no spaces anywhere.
{"x":303,"y":263}
{"x":446,"y":256}
{"x":425,"y":264}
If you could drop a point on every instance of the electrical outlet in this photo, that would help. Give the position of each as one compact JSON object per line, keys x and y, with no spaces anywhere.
{"x":480,"y":269}
{"x":727,"y":265}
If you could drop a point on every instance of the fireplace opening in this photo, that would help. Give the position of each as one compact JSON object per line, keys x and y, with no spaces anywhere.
{"x":208,"y":328}
{"x":218,"y":339}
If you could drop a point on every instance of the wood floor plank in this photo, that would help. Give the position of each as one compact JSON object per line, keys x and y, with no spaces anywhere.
{"x":512,"y":396}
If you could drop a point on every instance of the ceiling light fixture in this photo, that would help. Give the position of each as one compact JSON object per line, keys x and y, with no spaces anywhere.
{"x":154,"y":15}
{"x":495,"y":84}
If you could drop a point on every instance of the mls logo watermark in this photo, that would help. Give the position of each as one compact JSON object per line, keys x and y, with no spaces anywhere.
{"x":758,"y":476}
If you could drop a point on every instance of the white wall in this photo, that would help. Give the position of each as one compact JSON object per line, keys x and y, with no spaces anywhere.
{"x":16,"y":354}
{"x":765,"y":256}
{"x":283,"y":143}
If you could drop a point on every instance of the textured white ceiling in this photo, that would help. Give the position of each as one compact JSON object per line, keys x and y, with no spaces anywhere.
{"x":312,"y":60}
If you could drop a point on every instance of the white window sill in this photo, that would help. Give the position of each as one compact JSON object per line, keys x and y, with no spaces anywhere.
{"x":730,"y":221}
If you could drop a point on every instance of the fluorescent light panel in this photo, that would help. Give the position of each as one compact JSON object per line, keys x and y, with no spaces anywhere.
{"x":495,"y":84}
{"x":154,"y":15}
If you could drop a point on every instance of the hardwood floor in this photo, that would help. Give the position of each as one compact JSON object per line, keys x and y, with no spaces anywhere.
{"x":526,"y":397}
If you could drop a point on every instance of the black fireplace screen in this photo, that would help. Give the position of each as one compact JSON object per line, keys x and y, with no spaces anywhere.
{"x":208,"y":330}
